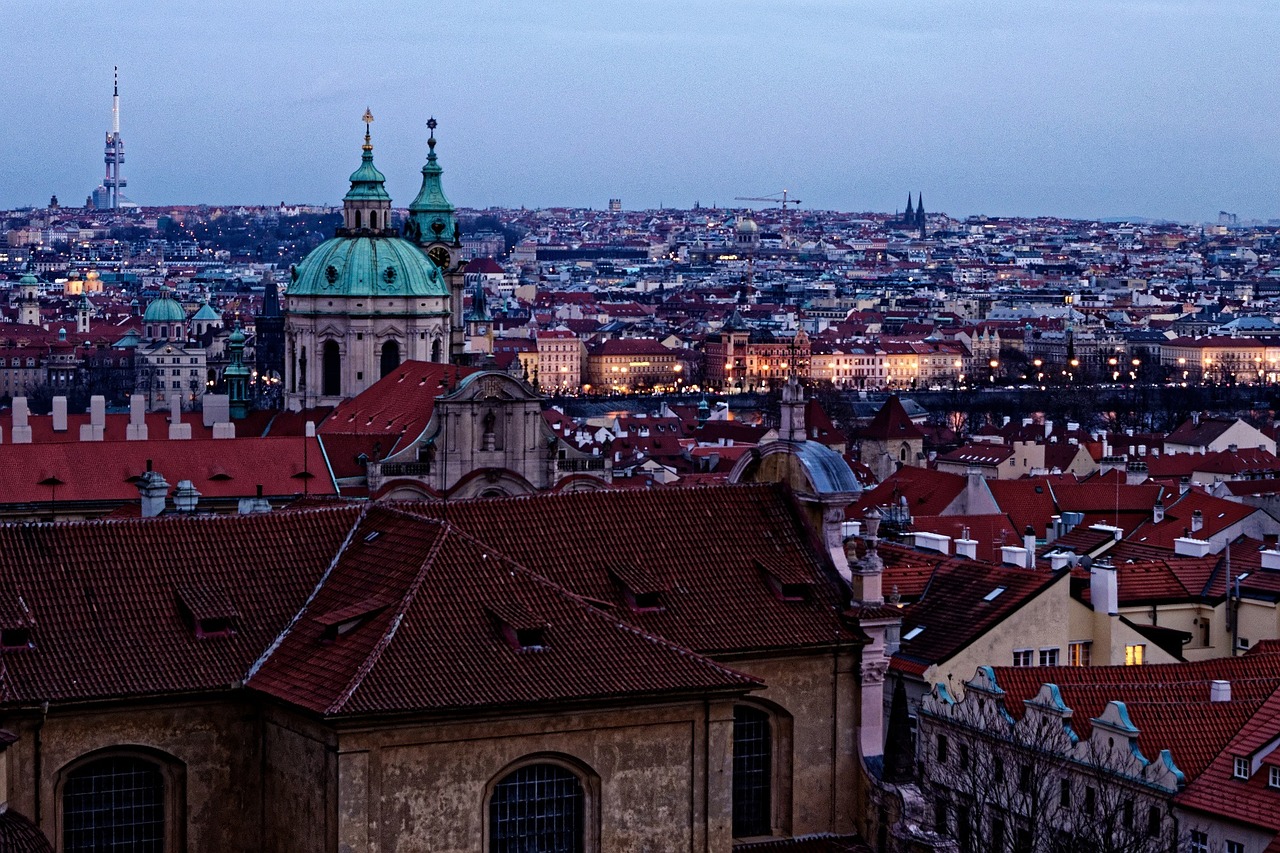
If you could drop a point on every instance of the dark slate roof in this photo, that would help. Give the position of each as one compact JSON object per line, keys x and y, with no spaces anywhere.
{"x":19,"y":835}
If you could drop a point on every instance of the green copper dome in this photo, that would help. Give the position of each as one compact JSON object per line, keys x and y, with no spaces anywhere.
{"x":367,"y":266}
{"x":164,"y":310}
{"x":28,"y":278}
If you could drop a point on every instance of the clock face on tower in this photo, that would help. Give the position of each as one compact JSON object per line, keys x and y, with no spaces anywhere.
{"x":440,"y":255}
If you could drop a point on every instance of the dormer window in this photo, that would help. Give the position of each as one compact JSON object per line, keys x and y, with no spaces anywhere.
{"x":641,"y":590}
{"x":519,"y":626}
{"x":1240,"y":768}
{"x":15,"y":639}
{"x":1273,"y":777}
{"x":786,"y":583}
{"x":341,"y":621}
{"x":208,"y":612}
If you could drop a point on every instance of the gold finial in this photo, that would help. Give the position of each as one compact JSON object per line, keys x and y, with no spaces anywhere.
{"x":368,"y":119}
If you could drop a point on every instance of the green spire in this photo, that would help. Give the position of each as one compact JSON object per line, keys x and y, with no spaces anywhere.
{"x":367,"y":183}
{"x":236,"y":375}
{"x":431,"y":216}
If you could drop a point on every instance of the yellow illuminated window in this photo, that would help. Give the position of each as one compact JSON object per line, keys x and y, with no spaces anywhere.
{"x":1135,"y":655}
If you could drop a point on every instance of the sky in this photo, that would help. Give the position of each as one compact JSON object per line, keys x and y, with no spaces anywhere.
{"x":1077,"y":108}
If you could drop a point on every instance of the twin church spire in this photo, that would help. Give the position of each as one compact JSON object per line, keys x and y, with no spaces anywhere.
{"x":367,"y":205}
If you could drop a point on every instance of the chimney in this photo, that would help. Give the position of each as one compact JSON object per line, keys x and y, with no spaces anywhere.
{"x":1195,"y":419}
{"x":1029,"y":543}
{"x":1219,"y":691}
{"x":1231,"y":448}
{"x":1013,"y":555}
{"x":249,"y":506}
{"x":93,"y":431}
{"x":178,"y":431}
{"x":137,"y":429}
{"x":59,"y":414}
{"x":1157,"y":512}
{"x":154,"y":491}
{"x":792,"y":428}
{"x":1197,"y":521}
{"x":966,"y":547}
{"x":185,"y":496}
{"x":1104,"y":590}
{"x":1185,"y":546}
{"x":21,"y":427}
{"x":1271,"y":559}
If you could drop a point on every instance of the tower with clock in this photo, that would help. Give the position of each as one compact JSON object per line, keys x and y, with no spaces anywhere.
{"x":433,"y":226}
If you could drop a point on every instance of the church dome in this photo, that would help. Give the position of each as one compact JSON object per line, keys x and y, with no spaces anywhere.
{"x":208,"y":313}
{"x":747,"y":226}
{"x":164,"y":310}
{"x":367,"y":266}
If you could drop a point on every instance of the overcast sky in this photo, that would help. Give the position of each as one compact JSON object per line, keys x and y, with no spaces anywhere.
{"x":1083,"y":108}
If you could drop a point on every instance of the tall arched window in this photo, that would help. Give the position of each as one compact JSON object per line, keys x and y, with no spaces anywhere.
{"x":302,"y":371}
{"x":357,"y":219}
{"x":390,"y":357}
{"x":373,"y":219}
{"x":331,"y":378}
{"x":752,"y":772}
{"x":114,"y":803}
{"x":538,"y":807}
{"x":435,"y":350}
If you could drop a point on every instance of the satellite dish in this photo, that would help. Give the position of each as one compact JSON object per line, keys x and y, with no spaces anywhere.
{"x":1086,"y":562}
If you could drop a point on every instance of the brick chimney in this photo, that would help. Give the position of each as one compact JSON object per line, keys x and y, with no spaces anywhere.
{"x":154,"y":492}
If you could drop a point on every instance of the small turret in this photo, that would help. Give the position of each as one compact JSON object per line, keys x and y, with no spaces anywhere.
{"x":236,"y":375}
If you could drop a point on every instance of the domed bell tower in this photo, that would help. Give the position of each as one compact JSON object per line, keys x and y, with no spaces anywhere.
{"x":433,"y":226}
{"x":366,"y":208}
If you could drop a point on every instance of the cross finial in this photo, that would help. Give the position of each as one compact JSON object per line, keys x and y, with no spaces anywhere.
{"x":368,"y":120}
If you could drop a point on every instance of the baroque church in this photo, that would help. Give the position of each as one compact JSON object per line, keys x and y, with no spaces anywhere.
{"x":368,"y":299}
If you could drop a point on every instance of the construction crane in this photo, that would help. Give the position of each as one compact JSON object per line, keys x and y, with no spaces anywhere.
{"x":776,"y":198}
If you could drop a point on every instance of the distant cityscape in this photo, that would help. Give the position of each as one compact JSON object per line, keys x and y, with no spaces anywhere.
{"x":391,"y":524}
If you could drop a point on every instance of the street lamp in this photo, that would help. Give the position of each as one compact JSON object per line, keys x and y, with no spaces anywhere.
{"x":995,"y":365}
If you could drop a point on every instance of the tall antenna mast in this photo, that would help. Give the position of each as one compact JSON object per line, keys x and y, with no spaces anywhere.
{"x":115,"y":99}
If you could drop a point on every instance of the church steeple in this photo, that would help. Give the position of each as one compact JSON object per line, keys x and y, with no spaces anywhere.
{"x":367,"y":206}
{"x":431,"y":216}
{"x":910,"y":210}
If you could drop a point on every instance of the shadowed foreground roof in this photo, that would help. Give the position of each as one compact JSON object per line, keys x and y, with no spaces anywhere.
{"x":359,"y":609}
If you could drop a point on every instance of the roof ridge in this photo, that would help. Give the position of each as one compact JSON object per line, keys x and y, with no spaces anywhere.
{"x":586,"y":605}
{"x":375,"y":654}
{"x":324,"y":577}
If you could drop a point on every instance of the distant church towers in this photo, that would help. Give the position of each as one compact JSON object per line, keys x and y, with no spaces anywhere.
{"x":913,"y":219}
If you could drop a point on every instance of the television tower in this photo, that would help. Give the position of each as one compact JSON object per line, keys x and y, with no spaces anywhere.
{"x":114,"y":155}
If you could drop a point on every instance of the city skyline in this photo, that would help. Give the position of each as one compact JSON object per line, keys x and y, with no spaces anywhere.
{"x":1106,"y":109}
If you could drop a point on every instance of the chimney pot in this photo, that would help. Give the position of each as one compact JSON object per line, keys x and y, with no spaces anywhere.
{"x":1219,"y":691}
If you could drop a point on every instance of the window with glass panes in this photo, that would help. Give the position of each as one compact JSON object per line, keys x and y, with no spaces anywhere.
{"x":539,"y":807}
{"x":752,"y":772}
{"x":114,"y":803}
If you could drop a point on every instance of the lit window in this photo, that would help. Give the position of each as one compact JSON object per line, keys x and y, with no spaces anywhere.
{"x":1135,"y":655}
{"x":1240,"y":768}
{"x":1078,"y":654}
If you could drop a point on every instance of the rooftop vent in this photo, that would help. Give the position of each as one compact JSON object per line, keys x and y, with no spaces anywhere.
{"x":1219,"y":691}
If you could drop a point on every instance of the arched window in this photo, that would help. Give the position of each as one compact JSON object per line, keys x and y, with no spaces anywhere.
{"x":331,"y":380}
{"x":114,"y":803}
{"x":390,"y":357}
{"x":538,"y":807}
{"x":752,"y":772}
{"x":902,"y":454}
{"x":435,"y":350}
{"x":302,"y":371}
{"x":357,"y":219}
{"x":373,"y":219}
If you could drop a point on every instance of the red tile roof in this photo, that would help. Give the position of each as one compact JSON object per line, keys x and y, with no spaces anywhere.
{"x":1169,"y":703}
{"x":891,"y":422}
{"x":107,"y":471}
{"x":432,"y":605}
{"x":1027,"y":502}
{"x":927,"y":492}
